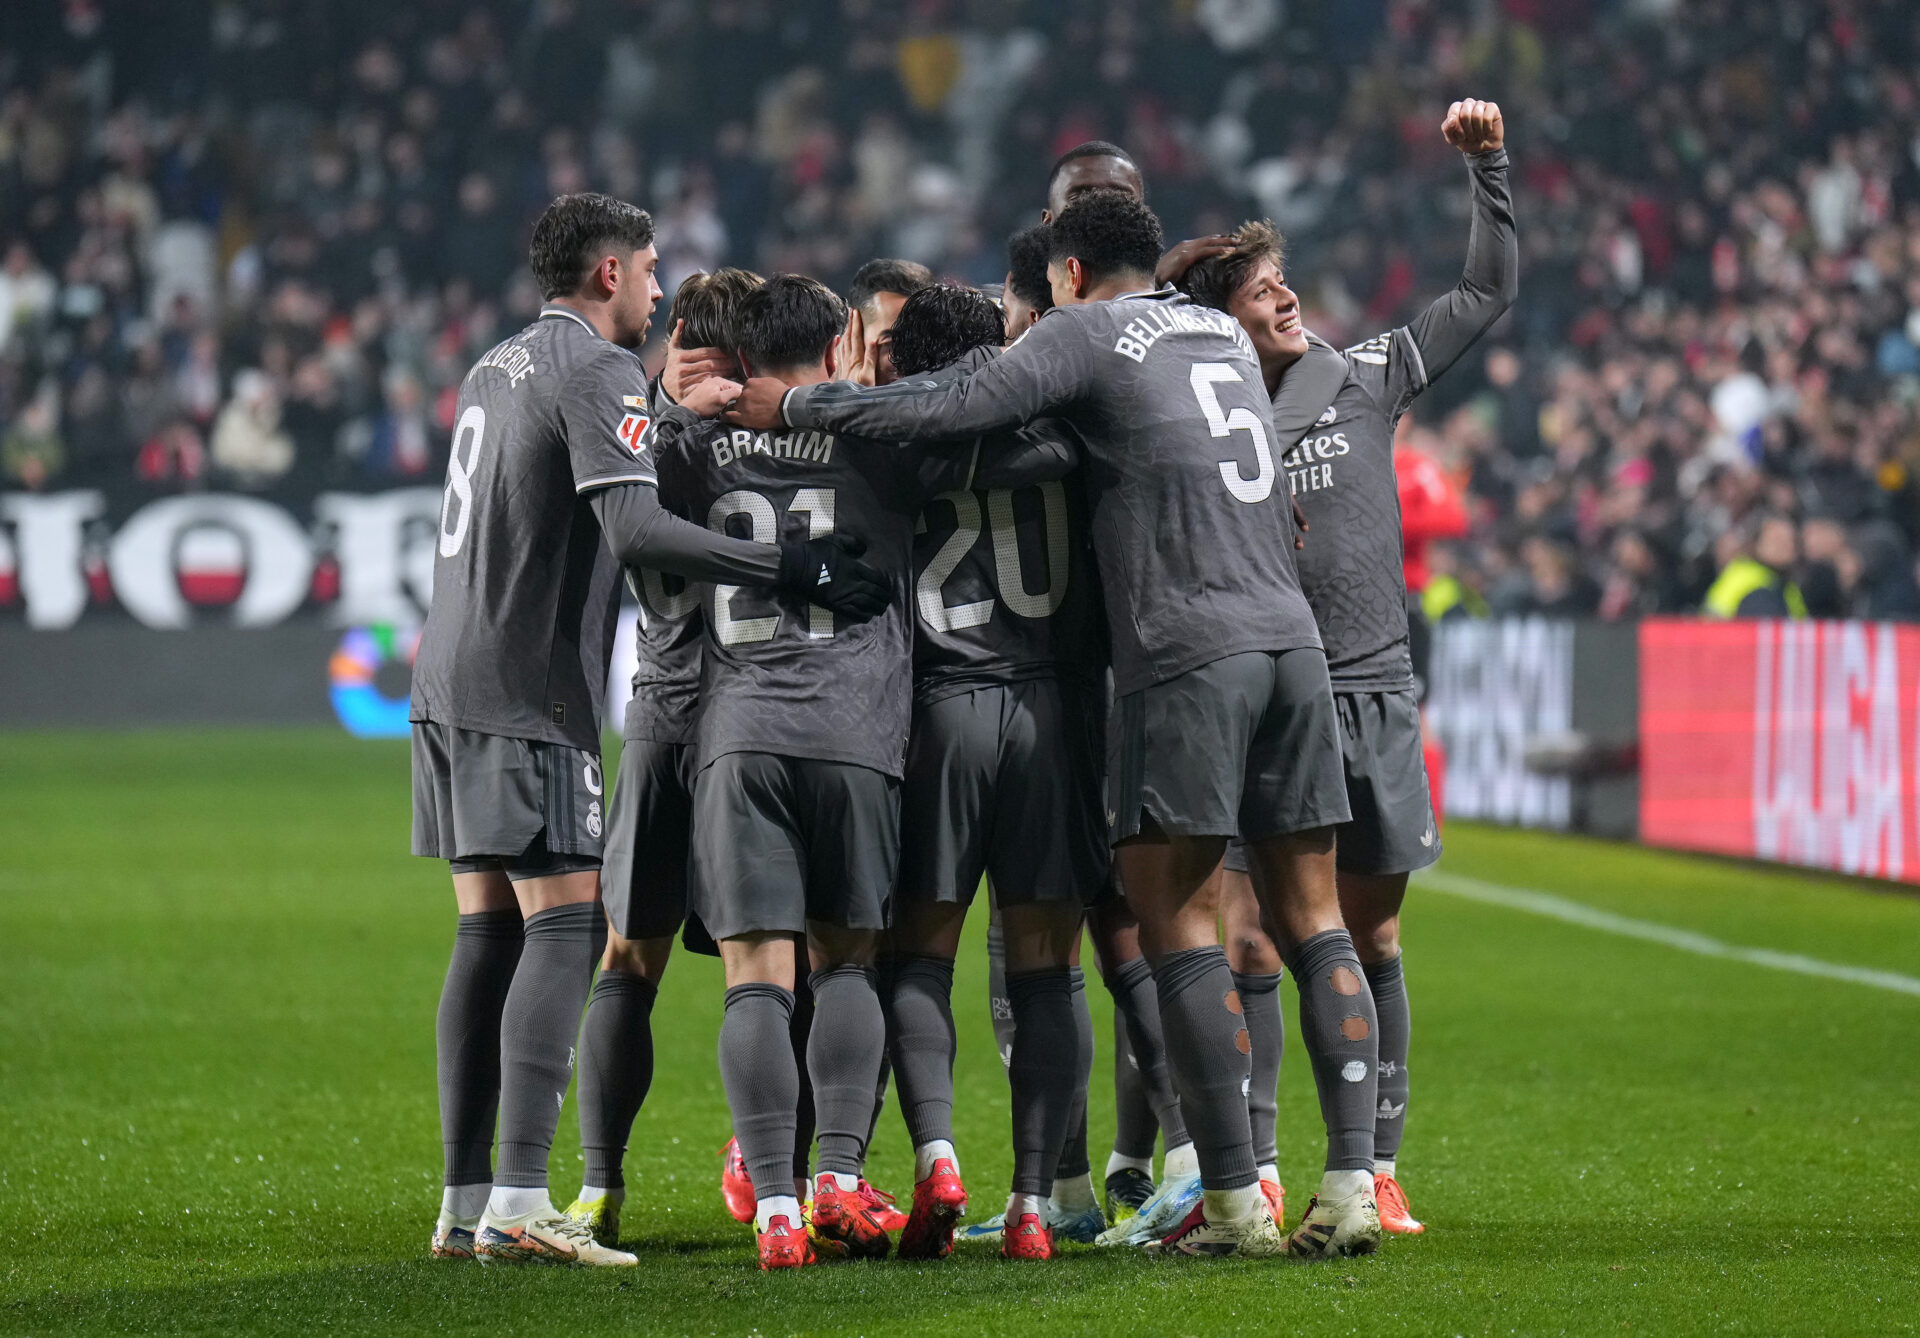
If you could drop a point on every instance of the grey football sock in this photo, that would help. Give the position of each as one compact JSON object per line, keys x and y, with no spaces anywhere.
{"x":1341,"y":1034}
{"x":1073,"y":1153}
{"x":883,"y":986}
{"x":1046,"y":1065}
{"x":799,"y":1031}
{"x":999,"y":1007}
{"x":486,"y":948}
{"x":538,"y":1027}
{"x":1207,"y":1047}
{"x":920,"y":1035}
{"x":1134,"y":1127}
{"x":1260,"y":999}
{"x":616,"y":1069}
{"x":843,"y":1057}
{"x":1389,"y":989}
{"x":762,"y":1082}
{"x":1135,"y":997}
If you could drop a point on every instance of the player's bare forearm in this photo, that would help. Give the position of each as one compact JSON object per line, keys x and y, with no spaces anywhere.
{"x":1491,"y":279}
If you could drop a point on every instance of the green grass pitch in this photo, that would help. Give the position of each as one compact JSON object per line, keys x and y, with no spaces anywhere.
{"x":217,"y":1108}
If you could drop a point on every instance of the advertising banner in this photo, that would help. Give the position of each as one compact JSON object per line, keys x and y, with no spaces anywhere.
{"x":1497,"y":686}
{"x":1793,"y":741}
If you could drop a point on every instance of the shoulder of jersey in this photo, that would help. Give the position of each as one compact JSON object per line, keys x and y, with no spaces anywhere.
{"x":1373,"y":350}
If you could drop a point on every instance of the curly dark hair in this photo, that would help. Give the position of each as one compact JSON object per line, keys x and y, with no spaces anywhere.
{"x":710,"y":305}
{"x":1212,"y":283}
{"x":941,"y":324}
{"x":1110,"y":233}
{"x":1027,"y":267}
{"x":788,"y":321}
{"x":572,"y":234}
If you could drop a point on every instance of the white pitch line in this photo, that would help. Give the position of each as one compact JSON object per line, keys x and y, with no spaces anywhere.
{"x":1589,"y":917}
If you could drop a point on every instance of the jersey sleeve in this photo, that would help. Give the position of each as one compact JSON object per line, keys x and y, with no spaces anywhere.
{"x":1389,"y":365}
{"x":1045,"y":371}
{"x":1306,"y":390}
{"x":608,"y":420}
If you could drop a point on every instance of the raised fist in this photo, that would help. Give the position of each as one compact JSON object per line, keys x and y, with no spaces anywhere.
{"x":1474,"y":127}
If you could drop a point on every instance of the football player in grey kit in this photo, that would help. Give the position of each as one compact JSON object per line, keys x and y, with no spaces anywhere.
{"x":1348,"y":405}
{"x":1002,"y":778}
{"x":550,"y":489}
{"x":649,"y":819}
{"x":1224,"y":718}
{"x":802,"y":739}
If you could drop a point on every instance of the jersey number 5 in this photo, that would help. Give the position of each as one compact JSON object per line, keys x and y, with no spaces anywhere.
{"x":764,"y":528}
{"x":1204,"y":377}
{"x":456,"y":507}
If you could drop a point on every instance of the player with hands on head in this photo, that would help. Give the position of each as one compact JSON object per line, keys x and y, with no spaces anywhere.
{"x":1335,"y":415}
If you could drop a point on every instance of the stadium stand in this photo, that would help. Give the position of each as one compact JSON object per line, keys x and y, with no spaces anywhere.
{"x":251,"y":246}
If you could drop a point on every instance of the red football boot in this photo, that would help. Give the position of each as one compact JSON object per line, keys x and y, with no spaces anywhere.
{"x":1027,"y":1238}
{"x":1395,"y":1215}
{"x":939,"y":1202}
{"x":843,"y":1222}
{"x":1276,"y":1195}
{"x":735,"y":1188}
{"x":884,"y":1206}
{"x":784,"y":1245}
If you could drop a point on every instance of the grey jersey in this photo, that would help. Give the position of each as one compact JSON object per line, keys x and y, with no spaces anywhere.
{"x":784,"y":677}
{"x":1004,"y":588}
{"x":1190,"y":511}
{"x":665,"y":706}
{"x":1341,"y":470}
{"x":525,"y":589}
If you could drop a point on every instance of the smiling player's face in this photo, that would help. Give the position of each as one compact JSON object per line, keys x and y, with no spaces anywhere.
{"x":1269,"y":312}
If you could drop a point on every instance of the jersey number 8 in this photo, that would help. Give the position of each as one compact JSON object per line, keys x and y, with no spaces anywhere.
{"x":456,"y":507}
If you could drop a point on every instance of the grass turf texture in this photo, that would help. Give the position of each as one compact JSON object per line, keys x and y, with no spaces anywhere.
{"x":217,"y":1096}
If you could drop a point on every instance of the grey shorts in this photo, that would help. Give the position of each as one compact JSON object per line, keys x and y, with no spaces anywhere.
{"x":778,"y":841}
{"x":1004,"y":780}
{"x":498,"y":801}
{"x":1247,"y":744}
{"x":1392,"y":828}
{"x":649,"y":831}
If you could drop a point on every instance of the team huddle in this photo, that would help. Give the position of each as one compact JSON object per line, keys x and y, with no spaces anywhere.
{"x":1091,"y":589}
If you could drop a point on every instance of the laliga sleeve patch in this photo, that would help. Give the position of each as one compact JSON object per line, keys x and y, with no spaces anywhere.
{"x":633,"y":427}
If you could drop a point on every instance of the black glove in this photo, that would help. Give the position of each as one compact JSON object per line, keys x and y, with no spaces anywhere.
{"x":828,"y":572}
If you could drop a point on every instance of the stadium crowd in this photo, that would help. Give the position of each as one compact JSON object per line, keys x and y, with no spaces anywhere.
{"x":277,"y":286}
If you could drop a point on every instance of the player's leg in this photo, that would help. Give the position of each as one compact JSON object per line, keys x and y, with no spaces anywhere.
{"x":850,"y":817}
{"x":1179,"y":765}
{"x":645,"y":898}
{"x":1392,"y":833}
{"x":763,"y":1084}
{"x":1256,"y":974}
{"x":1116,"y":940}
{"x":1296,"y":796}
{"x":486,"y":949}
{"x":1047,"y":859}
{"x":944,"y":792}
{"x":747,"y":888}
{"x":922,"y":1040}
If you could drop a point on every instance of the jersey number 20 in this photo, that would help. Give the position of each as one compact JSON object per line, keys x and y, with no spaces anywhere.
{"x":1009,"y":574}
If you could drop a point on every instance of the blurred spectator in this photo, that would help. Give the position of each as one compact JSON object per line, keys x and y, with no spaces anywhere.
{"x":248,"y":444}
{"x":1719,"y":312}
{"x":1753,"y":580}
